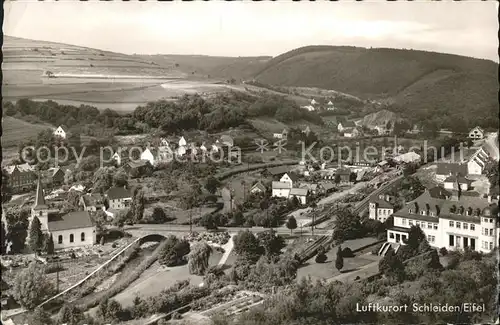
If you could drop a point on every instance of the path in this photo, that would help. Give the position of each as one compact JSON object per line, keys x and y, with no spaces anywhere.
{"x":228,"y":248}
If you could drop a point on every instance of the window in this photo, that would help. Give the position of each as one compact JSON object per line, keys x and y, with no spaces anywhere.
{"x":451,"y":241}
{"x":409,"y":211}
{"x":410,"y":222}
{"x":59,"y":239}
{"x":491,"y":245}
{"x":82,"y":236}
{"x":451,"y":224}
{"x":429,"y":225}
{"x":466,"y":226}
{"x":40,"y":213}
{"x":422,"y":212}
{"x":459,"y":225}
{"x":431,"y":238}
{"x":391,"y":235}
{"x":472,"y":227}
{"x":432,"y":214}
{"x":435,"y":226}
{"x":71,"y":238}
{"x":458,"y":241}
{"x":403,"y":222}
{"x":491,"y":220}
{"x":491,"y":232}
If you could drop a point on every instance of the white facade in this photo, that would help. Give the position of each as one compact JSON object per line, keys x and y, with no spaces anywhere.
{"x":476,"y":133}
{"x":278,"y":135}
{"x":379,"y":213}
{"x":119,"y":204}
{"x":286,"y":179}
{"x":148,"y":155}
{"x":70,"y":238}
{"x":409,"y":157}
{"x":281,"y":189}
{"x":181,"y":151}
{"x":59,"y":132}
{"x":182,"y":142}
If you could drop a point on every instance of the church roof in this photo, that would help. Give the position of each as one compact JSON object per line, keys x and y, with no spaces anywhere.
{"x":40,"y":203}
{"x":72,"y":220}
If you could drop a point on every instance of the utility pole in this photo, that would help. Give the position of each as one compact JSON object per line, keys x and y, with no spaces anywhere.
{"x":57,"y":277}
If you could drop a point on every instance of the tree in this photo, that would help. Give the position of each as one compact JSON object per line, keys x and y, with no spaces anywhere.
{"x":137,"y":205}
{"x":3,"y":238}
{"x":159,"y":215}
{"x":120,"y":179}
{"x":347,"y":226}
{"x":198,"y":258}
{"x":339,"y":261}
{"x":36,"y":235}
{"x":17,"y":228}
{"x":291,"y":224}
{"x":6,"y":190}
{"x":209,"y":221}
{"x":173,"y":251}
{"x":49,"y":244}
{"x":31,"y":287}
{"x":212,"y":184}
{"x":69,"y":177}
{"x":247,"y":246}
{"x":40,"y":317}
{"x":69,"y":314}
{"x":271,"y":243}
{"x":337,"y":179}
{"x":391,"y":265}
{"x":321,"y":255}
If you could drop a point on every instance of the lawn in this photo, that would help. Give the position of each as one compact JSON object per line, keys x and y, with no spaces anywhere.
{"x":16,"y":130}
{"x":327,"y":270}
{"x":158,"y":278}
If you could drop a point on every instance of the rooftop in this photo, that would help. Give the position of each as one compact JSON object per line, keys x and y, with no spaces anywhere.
{"x":382,"y":204}
{"x":279,"y":170}
{"x":281,"y":185}
{"x":299,"y":191}
{"x":451,"y":169}
{"x":72,"y":220}
{"x":115,"y":193}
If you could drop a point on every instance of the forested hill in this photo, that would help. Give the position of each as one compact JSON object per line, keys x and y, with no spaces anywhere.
{"x":420,"y":85}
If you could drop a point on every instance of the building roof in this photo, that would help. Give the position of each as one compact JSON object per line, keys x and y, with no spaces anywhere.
{"x":72,"y":220}
{"x":40,"y":203}
{"x":22,"y":168}
{"x":457,"y":179}
{"x":348,"y":124}
{"x":115,"y":193}
{"x":292,"y":176}
{"x":439,"y":192}
{"x":299,"y":191}
{"x":442,"y":208}
{"x":327,"y":185}
{"x":477,"y":128}
{"x":451,"y":169}
{"x":281,"y":185}
{"x":94,"y":199}
{"x":226,"y":140}
{"x":137,"y":163}
{"x":259,"y":186}
{"x":309,"y":186}
{"x":343,"y":171}
{"x":407,"y":157}
{"x":383,"y":204}
{"x":279,"y":170}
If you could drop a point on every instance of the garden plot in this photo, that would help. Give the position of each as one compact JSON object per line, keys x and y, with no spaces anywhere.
{"x":232,"y":305}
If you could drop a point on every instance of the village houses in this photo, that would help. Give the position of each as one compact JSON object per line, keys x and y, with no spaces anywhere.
{"x":59,"y":132}
{"x":21,"y":177}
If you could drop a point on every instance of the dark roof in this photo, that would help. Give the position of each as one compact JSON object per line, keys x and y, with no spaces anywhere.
{"x":137,"y":163}
{"x":400,"y":229}
{"x":451,"y":169}
{"x":382,"y":204}
{"x":72,"y":220}
{"x":39,"y":198}
{"x":93,"y":199}
{"x":460,"y":179}
{"x":441,"y":208}
{"x":279,"y":170}
{"x":343,"y":171}
{"x":260,"y":186}
{"x":118,"y":193}
{"x":327,"y":185}
{"x":299,"y":191}
{"x":348,"y":124}
{"x":439,"y":192}
{"x":293,"y":177}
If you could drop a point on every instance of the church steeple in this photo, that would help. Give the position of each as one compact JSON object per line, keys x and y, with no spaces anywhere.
{"x":39,"y":198}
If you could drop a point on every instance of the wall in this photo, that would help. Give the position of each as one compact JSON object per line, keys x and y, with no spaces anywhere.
{"x":90,"y":237}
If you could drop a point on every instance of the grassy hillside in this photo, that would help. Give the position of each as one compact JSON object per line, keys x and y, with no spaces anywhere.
{"x":422,"y":84}
{"x":225,"y":68}
{"x":15,"y":130}
{"x":379,"y":118}
{"x":83,"y":75}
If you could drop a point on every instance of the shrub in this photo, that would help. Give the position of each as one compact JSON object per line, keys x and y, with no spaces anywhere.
{"x":443,"y":251}
{"x":347,"y":252}
{"x":377,"y":248}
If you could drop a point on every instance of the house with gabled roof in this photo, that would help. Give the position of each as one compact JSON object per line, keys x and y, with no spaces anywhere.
{"x":380,"y":208}
{"x":59,"y":132}
{"x":281,"y":189}
{"x":476,"y":133}
{"x":477,"y":162}
{"x":118,"y":198}
{"x":258,"y":188}
{"x":345,"y":124}
{"x":300,"y":193}
{"x":148,"y":155}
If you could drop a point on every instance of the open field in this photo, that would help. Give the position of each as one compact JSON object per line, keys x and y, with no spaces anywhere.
{"x":15,"y":131}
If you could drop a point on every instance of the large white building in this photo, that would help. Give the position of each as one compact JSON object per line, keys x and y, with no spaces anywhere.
{"x":381,"y":208}
{"x":449,"y":220}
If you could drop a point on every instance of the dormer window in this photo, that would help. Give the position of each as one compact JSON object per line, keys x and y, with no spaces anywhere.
{"x":469,"y":211}
{"x":461,"y":210}
{"x":422,"y":212}
{"x":410,"y":210}
{"x":478,"y":212}
{"x":453,"y":208}
{"x":431,"y":214}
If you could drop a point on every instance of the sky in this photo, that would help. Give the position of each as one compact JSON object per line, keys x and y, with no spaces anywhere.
{"x":258,"y":28}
